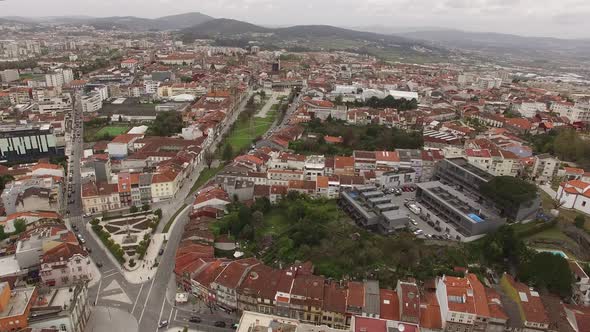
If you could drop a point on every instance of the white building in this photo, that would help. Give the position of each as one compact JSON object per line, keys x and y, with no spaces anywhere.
{"x":91,"y":103}
{"x":489,"y":82}
{"x":59,"y":77}
{"x":574,"y":194}
{"x":545,"y":167}
{"x":151,"y":87}
{"x":578,"y":112}
{"x":9,"y":75}
{"x":408,"y":95}
{"x":65,"y":264}
{"x":529,"y":109}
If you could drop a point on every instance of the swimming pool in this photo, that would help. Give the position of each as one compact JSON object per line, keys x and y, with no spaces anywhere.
{"x":555,"y":252}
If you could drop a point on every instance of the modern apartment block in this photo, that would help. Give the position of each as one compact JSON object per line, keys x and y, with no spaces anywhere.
{"x":469,"y":217}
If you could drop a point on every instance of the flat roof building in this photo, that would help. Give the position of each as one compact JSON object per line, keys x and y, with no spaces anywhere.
{"x":467,"y":216}
{"x":374,"y":209}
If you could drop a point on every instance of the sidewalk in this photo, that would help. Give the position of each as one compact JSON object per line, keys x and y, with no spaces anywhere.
{"x":146,"y":270}
{"x":547,"y":188}
{"x":142,"y":273}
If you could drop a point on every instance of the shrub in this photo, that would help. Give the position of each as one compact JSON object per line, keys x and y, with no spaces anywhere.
{"x":131,"y":262}
{"x":133,"y":209}
{"x":580,"y":221}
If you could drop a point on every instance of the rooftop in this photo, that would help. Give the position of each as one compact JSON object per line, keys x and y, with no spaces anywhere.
{"x":18,"y":301}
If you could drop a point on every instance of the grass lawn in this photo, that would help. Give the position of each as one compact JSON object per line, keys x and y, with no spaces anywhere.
{"x":93,"y":134}
{"x":171,"y":221}
{"x":246,"y":130}
{"x":113,"y":130}
{"x":553,"y":233}
{"x":565,"y":215}
{"x":205,"y":176}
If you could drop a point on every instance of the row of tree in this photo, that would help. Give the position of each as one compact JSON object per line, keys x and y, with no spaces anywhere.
{"x":387,"y":102}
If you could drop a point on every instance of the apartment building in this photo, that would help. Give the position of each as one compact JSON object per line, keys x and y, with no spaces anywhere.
{"x":15,"y":306}
{"x":98,"y":197}
{"x":466,"y":305}
{"x":545,"y":167}
{"x":532,"y":310}
{"x":65,"y":264}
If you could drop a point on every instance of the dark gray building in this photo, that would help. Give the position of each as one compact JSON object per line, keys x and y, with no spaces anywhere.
{"x":468,"y":217}
{"x":461,"y":174}
{"x":26,"y":143}
{"x":371,"y":208}
{"x":468,"y":179}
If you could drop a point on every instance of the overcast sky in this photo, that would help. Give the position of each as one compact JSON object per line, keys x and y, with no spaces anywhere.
{"x":557,"y":18}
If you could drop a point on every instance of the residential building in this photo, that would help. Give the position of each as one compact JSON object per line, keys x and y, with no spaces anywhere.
{"x":574,"y":194}
{"x":581,"y":285}
{"x":578,"y":317}
{"x":65,"y":308}
{"x":99,"y":197}
{"x":33,"y":194}
{"x":469,"y":218}
{"x":545,"y":167}
{"x":91,"y":103}
{"x":374,"y":209}
{"x":65,"y":264}
{"x":9,"y":75}
{"x":466,"y":305}
{"x":530,"y":306}
{"x":15,"y":306}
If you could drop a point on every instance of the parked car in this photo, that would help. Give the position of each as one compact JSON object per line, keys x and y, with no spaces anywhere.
{"x":163,"y":323}
{"x":194,"y":319}
{"x":219,"y":324}
{"x":161,"y":251}
{"x":98,"y":265}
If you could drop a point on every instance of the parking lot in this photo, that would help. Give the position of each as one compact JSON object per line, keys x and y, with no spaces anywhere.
{"x":439,"y":228}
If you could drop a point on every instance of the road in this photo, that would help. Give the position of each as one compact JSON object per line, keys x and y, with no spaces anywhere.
{"x":156,"y":302}
{"x":153,"y":300}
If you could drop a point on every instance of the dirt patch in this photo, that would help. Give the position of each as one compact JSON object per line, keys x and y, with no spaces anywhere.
{"x":143,"y":225}
{"x":112,"y":229}
{"x":126,"y":221}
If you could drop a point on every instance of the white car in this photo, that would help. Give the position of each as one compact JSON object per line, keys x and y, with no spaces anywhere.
{"x":418,"y":232}
{"x":163,"y":323}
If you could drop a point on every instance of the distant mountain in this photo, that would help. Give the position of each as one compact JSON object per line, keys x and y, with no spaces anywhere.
{"x":182,"y":21}
{"x":172,"y":22}
{"x":499,"y":44}
{"x":223,"y":27}
{"x":307,"y":37}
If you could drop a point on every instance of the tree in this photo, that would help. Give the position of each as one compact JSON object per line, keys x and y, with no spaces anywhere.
{"x":133,"y":209}
{"x":338,"y":100}
{"x":166,"y":124}
{"x":20,"y":225}
{"x":3,"y":234}
{"x":580,"y":221}
{"x":209,"y":157}
{"x":549,"y":271}
{"x":228,"y":152}
{"x":158,"y":213}
{"x":145,"y":207}
{"x":509,"y":192}
{"x":4,"y":180}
